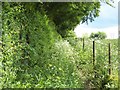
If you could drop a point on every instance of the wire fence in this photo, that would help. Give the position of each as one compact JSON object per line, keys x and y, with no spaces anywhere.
{"x":102,"y":52}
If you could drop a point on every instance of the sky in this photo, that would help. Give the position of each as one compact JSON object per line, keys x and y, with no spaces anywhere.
{"x":106,"y":22}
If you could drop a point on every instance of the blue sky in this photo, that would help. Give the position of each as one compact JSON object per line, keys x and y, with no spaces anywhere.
{"x":106,"y":22}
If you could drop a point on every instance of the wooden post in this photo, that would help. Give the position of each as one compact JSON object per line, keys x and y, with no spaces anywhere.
{"x":109,"y":49}
{"x":93,"y":53}
{"x":94,"y":59}
{"x":83,"y":44}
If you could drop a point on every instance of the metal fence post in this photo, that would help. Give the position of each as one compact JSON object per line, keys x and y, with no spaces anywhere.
{"x":83,"y":43}
{"x":109,"y":49}
{"x":93,"y":53}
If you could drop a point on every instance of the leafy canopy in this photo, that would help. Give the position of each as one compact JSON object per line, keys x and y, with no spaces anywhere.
{"x":98,"y":35}
{"x":67,"y":15}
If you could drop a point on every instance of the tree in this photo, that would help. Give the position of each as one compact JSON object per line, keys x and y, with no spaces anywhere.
{"x":98,"y":35}
{"x":67,"y":15}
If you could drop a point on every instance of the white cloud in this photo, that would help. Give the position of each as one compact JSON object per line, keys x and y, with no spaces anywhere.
{"x":111,"y":32}
{"x":106,"y":22}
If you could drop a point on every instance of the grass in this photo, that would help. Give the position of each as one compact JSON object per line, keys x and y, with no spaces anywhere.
{"x":85,"y":61}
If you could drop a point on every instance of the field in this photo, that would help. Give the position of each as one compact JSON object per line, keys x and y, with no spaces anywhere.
{"x":106,"y":59}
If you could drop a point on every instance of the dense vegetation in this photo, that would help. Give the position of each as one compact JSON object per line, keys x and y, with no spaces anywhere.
{"x":36,"y":52}
{"x":98,"y":35}
{"x":67,"y":15}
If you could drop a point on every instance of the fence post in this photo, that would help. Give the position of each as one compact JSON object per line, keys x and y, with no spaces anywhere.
{"x":83,"y":43}
{"x":109,"y":49}
{"x":94,"y":69}
{"x":93,"y":53}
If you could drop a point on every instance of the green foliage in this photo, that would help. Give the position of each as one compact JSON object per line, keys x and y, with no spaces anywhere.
{"x":70,"y":37}
{"x":30,"y":59}
{"x":96,"y":76}
{"x":98,"y":35}
{"x":67,"y":15}
{"x":99,"y":77}
{"x":35,"y":55}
